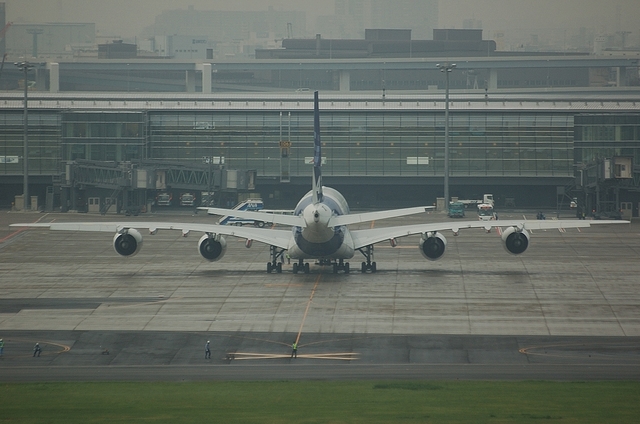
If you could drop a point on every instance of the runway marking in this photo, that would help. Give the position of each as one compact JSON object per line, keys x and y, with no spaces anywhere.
{"x":631,"y":347}
{"x":44,"y":352}
{"x":15,"y":233}
{"x":339,"y":356}
{"x":136,"y":305}
{"x":306,"y":312}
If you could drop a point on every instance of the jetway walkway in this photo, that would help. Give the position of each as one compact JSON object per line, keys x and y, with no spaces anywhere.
{"x":127,"y":184}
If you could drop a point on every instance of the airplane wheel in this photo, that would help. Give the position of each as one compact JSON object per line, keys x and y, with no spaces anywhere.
{"x":373,"y":267}
{"x":346,"y":268}
{"x":335,"y":268}
{"x":279,"y":268}
{"x":295,"y":268}
{"x":269,"y":268}
{"x":363,"y":267}
{"x":306,"y":268}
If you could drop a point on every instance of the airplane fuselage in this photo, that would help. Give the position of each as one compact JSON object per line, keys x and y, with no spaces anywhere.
{"x":318,"y":239}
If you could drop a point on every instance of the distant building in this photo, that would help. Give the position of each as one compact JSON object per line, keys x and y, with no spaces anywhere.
{"x":385,"y":43}
{"x":351,"y":17}
{"x":178,"y":46}
{"x":3,"y":28}
{"x":117,"y":50}
{"x":228,"y":33}
{"x":420,"y":16}
{"x":48,"y":40}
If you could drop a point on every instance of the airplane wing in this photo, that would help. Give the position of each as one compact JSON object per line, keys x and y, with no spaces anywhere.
{"x":278,"y":238}
{"x":339,"y":220}
{"x":362,"y":238}
{"x":291,"y":220}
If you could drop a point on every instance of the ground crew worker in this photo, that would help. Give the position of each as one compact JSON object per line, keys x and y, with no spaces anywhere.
{"x":36,"y":350}
{"x":1,"y":346}
{"x":294,"y":350}
{"x":207,"y":351}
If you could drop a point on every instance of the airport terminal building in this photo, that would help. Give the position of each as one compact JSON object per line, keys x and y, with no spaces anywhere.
{"x":533,"y":150}
{"x":535,"y":130}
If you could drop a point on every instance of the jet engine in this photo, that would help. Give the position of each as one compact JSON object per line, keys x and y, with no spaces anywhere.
{"x":127,"y":242}
{"x":212,"y":247}
{"x":515,"y":240}
{"x":432,"y":246}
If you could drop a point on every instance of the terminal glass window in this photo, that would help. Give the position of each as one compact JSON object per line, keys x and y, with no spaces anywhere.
{"x":600,"y":136}
{"x":371,"y":143}
{"x":44,"y":143}
{"x":103,"y":136}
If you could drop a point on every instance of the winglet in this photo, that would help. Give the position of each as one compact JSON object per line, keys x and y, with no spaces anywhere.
{"x":317,"y":153}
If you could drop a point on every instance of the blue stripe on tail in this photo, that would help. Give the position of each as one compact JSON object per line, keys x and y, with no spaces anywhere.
{"x":317,"y":152}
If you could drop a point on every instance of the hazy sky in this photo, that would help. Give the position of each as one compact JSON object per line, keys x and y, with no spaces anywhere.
{"x":127,"y":17}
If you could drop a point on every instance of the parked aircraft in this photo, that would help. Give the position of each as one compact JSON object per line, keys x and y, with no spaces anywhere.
{"x":319,"y":229}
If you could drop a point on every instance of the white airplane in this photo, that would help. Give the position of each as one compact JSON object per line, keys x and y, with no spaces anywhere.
{"x":319,"y":229}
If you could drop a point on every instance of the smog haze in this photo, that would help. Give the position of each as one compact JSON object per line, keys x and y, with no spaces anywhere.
{"x":129,"y":18}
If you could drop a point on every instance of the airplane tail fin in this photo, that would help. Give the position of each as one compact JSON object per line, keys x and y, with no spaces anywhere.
{"x":317,"y":155}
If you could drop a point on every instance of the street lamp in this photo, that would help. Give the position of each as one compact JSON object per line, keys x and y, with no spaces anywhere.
{"x":209,"y":202}
{"x":446,"y":68}
{"x":26,"y":67}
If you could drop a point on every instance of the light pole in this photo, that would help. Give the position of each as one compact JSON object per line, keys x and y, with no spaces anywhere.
{"x":446,"y":68}
{"x":25,"y":67}
{"x":209,"y":202}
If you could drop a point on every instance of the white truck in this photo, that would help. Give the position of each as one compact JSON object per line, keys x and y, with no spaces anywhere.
{"x":163,"y":199}
{"x":187,"y":199}
{"x":487,"y":199}
{"x":486,"y":212}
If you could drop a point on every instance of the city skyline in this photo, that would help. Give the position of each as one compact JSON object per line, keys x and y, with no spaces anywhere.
{"x":516,"y":18}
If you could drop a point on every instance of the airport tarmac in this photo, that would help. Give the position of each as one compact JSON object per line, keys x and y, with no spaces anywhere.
{"x":567,"y":309}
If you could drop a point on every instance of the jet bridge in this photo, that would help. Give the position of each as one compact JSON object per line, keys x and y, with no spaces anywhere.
{"x":607,"y":185}
{"x":116,"y":187}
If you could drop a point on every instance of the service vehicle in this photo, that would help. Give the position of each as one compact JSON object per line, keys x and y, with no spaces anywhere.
{"x":164,"y":199}
{"x":486,"y":212}
{"x":187,"y":199}
{"x":456,"y":210}
{"x":254,"y":205}
{"x":487,"y":199}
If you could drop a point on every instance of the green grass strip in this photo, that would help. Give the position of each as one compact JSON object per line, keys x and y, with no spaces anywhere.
{"x":322,"y":402}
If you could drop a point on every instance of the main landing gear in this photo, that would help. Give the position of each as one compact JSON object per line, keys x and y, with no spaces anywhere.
{"x":300,"y":266}
{"x":340,"y":266}
{"x":368,"y":265}
{"x":336,"y":264}
{"x":275,"y":265}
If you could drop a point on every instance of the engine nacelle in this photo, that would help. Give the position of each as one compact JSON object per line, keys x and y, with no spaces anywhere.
{"x":515,"y":240}
{"x":212,"y":248}
{"x":432,"y":246}
{"x":127,"y":243}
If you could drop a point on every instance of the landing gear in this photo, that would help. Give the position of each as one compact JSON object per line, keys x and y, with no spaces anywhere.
{"x":341,"y":266}
{"x":368,"y":265}
{"x":300,"y":266}
{"x":275,"y":265}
